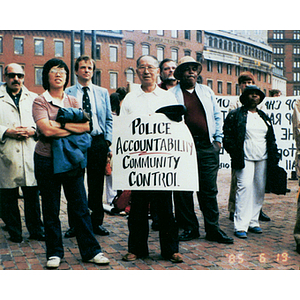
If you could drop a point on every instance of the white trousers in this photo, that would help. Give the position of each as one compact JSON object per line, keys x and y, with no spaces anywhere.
{"x":251,"y":182}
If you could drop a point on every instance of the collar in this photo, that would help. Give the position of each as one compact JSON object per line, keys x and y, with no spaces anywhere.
{"x":9,"y":92}
{"x":154,"y":92}
{"x":79,"y":86}
{"x":54,"y":101}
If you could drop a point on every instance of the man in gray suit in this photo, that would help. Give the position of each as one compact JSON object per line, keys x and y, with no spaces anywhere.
{"x":95,"y":100}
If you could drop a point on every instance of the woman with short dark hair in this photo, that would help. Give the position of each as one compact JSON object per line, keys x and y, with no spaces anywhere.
{"x":45,"y":109}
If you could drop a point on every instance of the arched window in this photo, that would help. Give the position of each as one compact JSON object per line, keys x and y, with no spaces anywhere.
{"x":129,"y":75}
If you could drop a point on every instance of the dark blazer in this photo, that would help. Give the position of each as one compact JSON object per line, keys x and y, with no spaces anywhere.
{"x":234,"y":130}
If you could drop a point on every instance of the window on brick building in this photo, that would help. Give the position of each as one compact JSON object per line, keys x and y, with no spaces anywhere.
{"x":296,"y":49}
{"x":187,"y":52}
{"x":113,"y":80}
{"x":296,"y":63}
{"x":237,"y":89}
{"x":1,"y":73}
{"x":174,"y":54}
{"x":129,"y":50}
{"x":174,"y":34}
{"x":38,"y":77}
{"x":18,"y":46}
{"x":145,"y":49}
{"x":160,"y":32}
{"x":229,"y":69}
{"x":187,"y":34}
{"x":98,"y":52}
{"x":229,"y":85}
{"x":38,"y":47}
{"x":296,"y":76}
{"x":296,"y":35}
{"x":199,"y":57}
{"x":209,"y":66}
{"x":97,"y":78}
{"x":199,"y":36}
{"x":129,"y":75}
{"x":279,"y":62}
{"x":59,"y":48}
{"x":77,"y":50}
{"x":160,"y":54}
{"x":113,"y":54}
{"x":210,"y":83}
{"x":278,"y":49}
{"x":278,"y":34}
{"x":1,"y":44}
{"x":296,"y":90}
{"x":220,"y":67}
{"x":220,"y":87}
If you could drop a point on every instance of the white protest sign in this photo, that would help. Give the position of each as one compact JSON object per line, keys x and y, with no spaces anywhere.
{"x":280,"y":110}
{"x":153,"y":153}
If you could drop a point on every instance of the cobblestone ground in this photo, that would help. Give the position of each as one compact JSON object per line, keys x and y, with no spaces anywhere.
{"x":272,"y":250}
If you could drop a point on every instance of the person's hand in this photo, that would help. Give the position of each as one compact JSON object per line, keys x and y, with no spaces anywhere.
{"x":20,"y":133}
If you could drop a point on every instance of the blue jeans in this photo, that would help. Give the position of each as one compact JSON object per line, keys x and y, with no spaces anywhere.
{"x":50,"y":189}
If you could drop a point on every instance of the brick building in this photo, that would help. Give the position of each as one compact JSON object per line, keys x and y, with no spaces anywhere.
{"x":224,"y":55}
{"x":286,"y":55}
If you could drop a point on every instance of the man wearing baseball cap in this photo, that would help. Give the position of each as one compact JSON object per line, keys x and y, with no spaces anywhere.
{"x":203,"y":118}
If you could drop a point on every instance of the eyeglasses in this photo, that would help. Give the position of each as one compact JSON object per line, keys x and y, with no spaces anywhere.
{"x":60,"y":71}
{"x":150,"y":68}
{"x":13,"y":75}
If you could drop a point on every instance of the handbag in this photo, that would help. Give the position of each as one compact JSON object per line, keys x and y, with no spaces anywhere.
{"x":122,"y":202}
{"x":276,"y":180}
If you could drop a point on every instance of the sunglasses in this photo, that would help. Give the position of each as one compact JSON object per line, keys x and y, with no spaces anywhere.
{"x":13,"y":75}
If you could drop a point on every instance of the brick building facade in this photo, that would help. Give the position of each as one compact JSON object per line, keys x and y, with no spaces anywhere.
{"x":223,"y":55}
{"x":286,"y":55}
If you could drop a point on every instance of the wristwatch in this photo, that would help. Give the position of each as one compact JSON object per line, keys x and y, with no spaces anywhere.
{"x":62,"y":125}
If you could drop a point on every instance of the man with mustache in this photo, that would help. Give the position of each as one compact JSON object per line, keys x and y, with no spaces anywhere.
{"x":203,"y":118}
{"x":17,"y":143}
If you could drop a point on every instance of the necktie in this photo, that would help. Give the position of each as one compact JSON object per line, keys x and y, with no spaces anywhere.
{"x":86,"y":105}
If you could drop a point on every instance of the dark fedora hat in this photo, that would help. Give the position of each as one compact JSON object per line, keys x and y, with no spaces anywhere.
{"x":173,"y":112}
{"x":248,"y":90}
{"x":186,"y":60}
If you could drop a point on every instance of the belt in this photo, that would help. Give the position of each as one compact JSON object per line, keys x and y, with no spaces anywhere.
{"x":98,"y":136}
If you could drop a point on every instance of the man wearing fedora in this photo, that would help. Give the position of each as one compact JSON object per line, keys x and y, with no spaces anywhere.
{"x":203,"y":118}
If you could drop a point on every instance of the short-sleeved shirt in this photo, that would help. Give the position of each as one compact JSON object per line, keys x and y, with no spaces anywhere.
{"x":46,"y":107}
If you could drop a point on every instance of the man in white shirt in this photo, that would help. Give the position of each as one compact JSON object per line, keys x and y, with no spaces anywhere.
{"x":145,"y":101}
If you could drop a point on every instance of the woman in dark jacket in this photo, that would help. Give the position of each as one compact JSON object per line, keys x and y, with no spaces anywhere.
{"x":249,"y":139}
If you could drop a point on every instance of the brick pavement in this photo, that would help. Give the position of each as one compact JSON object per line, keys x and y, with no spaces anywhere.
{"x":273,"y":250}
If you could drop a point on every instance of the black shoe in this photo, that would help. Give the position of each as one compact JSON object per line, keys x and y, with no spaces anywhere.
{"x":263,"y":217}
{"x":298,"y":248}
{"x":231,"y":216}
{"x":188,"y":235}
{"x":219,"y":236}
{"x":70,"y":233}
{"x":37,"y":236}
{"x":16,"y":239}
{"x":101,"y":230}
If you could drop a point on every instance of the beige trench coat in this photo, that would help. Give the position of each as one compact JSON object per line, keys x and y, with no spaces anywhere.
{"x":16,"y":157}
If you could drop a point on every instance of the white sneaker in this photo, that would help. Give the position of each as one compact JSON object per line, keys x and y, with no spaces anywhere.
{"x":53,"y":262}
{"x":99,"y":259}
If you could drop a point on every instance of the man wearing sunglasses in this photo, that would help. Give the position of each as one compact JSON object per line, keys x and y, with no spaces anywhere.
{"x":17,"y":143}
